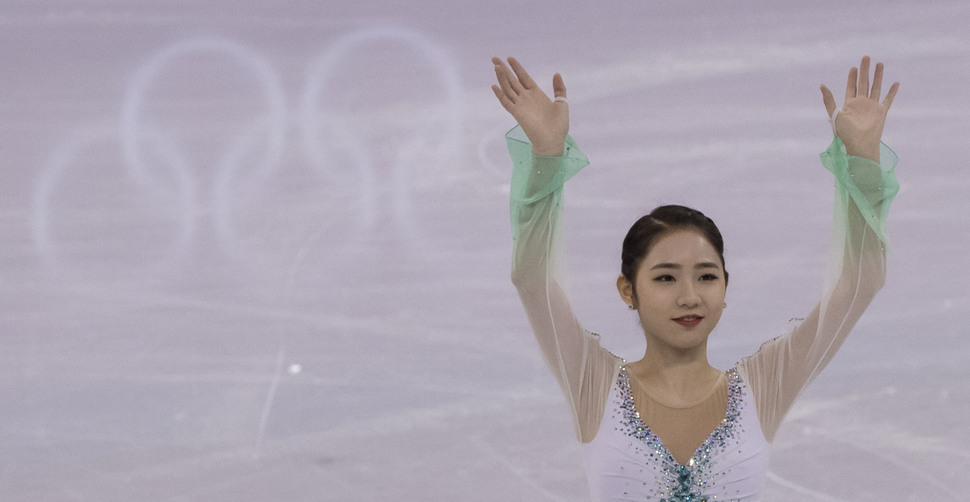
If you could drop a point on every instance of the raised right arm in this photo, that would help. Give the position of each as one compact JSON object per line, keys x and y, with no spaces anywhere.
{"x":544,"y":158}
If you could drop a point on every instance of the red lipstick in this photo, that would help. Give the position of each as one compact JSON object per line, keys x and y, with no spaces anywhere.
{"x":689,"y":321}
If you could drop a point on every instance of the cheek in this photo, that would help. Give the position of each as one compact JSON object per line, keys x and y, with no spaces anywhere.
{"x":647,"y":290}
{"x":715,"y":297}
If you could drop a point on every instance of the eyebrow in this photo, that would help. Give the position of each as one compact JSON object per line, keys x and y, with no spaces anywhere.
{"x":706,"y":264}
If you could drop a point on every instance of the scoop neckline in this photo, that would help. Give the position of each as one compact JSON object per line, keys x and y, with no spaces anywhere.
{"x":721,"y":380}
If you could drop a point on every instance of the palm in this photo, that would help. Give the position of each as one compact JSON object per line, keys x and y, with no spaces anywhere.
{"x":861,"y":118}
{"x":544,"y":121}
{"x":861,"y":121}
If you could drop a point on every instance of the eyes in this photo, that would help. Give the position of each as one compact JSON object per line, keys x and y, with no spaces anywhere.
{"x":708,"y":277}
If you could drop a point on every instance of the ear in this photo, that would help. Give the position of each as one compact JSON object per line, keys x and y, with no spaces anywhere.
{"x":626,"y":291}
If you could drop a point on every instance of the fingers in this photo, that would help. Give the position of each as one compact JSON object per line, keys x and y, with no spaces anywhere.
{"x":877,"y":82}
{"x":513,"y":88}
{"x":558,"y":86}
{"x":522,"y":75}
{"x":877,"y":77}
{"x":863,"y":87}
{"x":506,"y":103}
{"x":858,"y":82}
{"x":850,"y":86}
{"x":829,"y":101}
{"x":505,"y":80}
{"x":890,"y":96}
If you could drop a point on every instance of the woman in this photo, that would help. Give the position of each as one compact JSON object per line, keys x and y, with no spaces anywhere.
{"x":670,"y":427}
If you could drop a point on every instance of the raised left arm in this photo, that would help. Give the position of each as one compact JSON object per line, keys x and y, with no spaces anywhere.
{"x":865,"y":185}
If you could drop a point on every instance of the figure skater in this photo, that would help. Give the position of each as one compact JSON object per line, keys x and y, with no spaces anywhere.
{"x":671,"y":427}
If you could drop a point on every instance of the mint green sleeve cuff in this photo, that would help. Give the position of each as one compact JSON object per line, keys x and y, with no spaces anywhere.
{"x":535,"y":177}
{"x":871,"y":185}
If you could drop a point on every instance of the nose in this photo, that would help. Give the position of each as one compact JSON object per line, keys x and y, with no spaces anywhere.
{"x":688,"y":296}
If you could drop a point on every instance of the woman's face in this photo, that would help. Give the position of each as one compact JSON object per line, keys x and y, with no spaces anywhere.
{"x":679,"y":291}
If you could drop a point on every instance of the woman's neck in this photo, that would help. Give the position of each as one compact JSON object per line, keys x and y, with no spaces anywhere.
{"x":675,"y":379}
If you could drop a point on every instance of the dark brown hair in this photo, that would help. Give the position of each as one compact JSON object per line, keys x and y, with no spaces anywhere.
{"x":660,"y":221}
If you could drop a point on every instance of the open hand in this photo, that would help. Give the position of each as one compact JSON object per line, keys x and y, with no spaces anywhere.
{"x":544,"y":121}
{"x":860,"y":122}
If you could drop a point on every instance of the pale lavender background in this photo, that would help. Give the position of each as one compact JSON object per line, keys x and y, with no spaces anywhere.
{"x":259,"y":251}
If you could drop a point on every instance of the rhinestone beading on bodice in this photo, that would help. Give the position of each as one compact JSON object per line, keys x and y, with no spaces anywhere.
{"x":681,"y":483}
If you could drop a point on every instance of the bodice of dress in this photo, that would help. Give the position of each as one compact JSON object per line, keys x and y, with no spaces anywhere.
{"x":626,"y":461}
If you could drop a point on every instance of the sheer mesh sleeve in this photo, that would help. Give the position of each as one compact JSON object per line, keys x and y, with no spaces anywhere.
{"x":582,"y":367}
{"x":782,"y":367}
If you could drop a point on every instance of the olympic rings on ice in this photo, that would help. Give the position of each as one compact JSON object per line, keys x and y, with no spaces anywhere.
{"x":449,"y":116}
{"x":158,"y":164}
{"x":68,"y":154}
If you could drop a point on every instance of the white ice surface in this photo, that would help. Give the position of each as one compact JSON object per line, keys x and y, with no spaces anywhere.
{"x":197,"y":196}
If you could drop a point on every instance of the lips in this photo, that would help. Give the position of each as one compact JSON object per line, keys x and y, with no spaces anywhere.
{"x":689,"y":321}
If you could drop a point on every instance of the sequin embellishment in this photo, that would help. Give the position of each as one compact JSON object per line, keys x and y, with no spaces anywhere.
{"x":692,"y":482}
